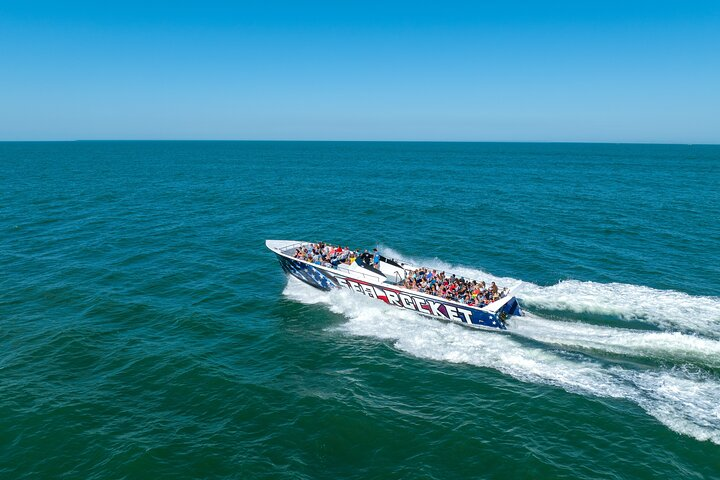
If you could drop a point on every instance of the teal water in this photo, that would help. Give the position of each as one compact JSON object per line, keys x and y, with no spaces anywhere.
{"x":146,"y":332}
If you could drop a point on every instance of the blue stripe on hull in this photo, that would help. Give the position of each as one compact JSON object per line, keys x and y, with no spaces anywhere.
{"x":319,"y":277}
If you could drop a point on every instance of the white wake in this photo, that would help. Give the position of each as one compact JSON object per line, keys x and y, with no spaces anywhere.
{"x":665,"y":309}
{"x":675,"y":347}
{"x":685,"y":400}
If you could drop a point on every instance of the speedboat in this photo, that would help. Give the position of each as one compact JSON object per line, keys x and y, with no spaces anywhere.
{"x":398,"y":283}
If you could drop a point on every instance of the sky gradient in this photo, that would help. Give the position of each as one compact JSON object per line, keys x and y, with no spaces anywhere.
{"x":441,"y":71}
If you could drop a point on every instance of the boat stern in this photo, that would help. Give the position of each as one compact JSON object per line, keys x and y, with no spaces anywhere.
{"x":510,"y":309}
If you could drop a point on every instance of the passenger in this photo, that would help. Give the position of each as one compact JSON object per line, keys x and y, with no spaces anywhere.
{"x":376,"y":259}
{"x":494,"y":291}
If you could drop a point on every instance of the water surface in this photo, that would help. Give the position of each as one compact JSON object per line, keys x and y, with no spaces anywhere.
{"x":147,"y":332}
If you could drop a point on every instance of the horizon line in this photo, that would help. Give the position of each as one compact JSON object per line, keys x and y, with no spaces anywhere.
{"x":598,"y":142}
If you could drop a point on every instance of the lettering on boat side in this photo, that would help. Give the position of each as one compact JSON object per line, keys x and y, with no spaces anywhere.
{"x":452,"y":313}
{"x":407,"y":301}
{"x":420,"y":303}
{"x":467,"y":314}
{"x":411,"y":302}
{"x":435,"y":308}
{"x":393,"y":298}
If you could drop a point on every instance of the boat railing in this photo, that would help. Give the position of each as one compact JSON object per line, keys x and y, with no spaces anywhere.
{"x":291,"y":246}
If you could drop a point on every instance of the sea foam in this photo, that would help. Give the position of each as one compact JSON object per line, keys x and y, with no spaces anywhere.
{"x":683,"y":399}
{"x":666,"y":309}
{"x":675,"y":347}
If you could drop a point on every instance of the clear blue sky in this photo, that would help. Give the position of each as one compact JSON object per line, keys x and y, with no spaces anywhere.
{"x":615,"y":71}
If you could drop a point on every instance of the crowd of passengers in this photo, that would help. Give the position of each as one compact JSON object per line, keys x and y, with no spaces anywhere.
{"x":423,"y":280}
{"x":457,"y":289}
{"x":326,"y":255}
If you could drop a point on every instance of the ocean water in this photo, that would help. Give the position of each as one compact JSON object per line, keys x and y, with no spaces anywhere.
{"x":146,"y":332}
